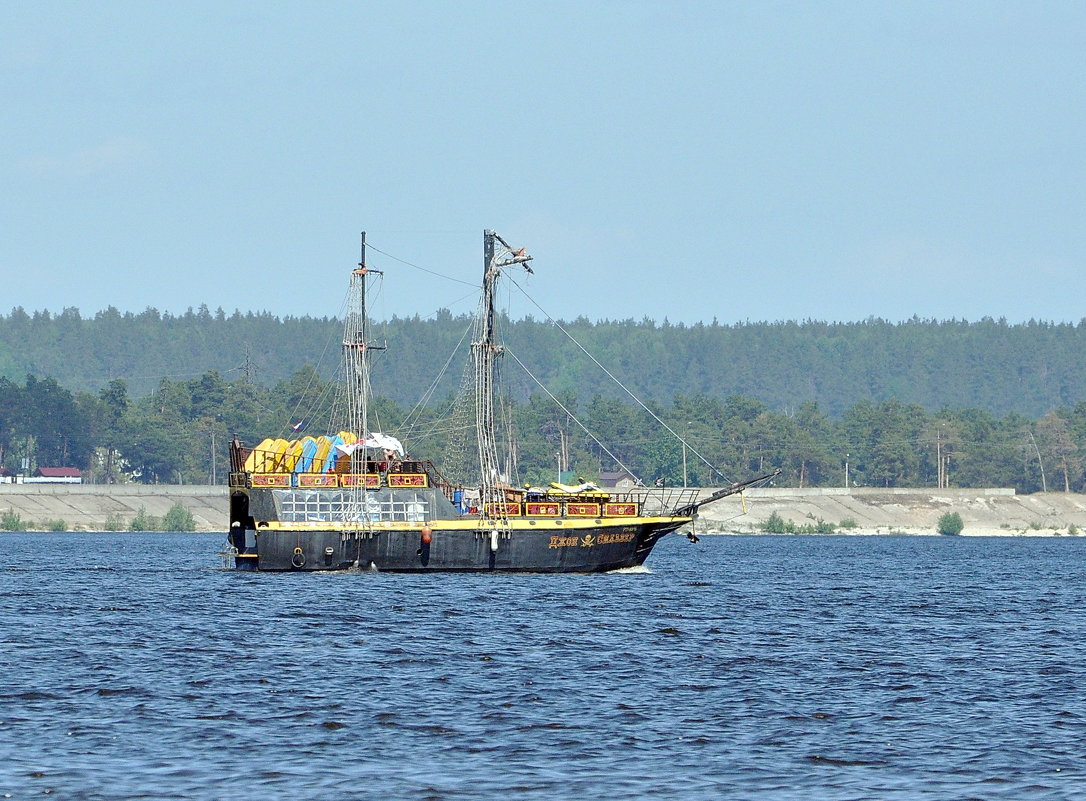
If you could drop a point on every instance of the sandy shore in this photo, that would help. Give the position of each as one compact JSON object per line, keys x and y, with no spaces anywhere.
{"x":992,"y":512}
{"x":909,"y":511}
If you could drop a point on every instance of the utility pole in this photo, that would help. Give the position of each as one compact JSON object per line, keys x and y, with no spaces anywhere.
{"x":938,"y":460}
{"x":1044,"y":484}
{"x":684,"y":454}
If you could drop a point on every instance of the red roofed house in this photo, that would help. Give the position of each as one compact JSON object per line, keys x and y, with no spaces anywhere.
{"x":58,"y":475}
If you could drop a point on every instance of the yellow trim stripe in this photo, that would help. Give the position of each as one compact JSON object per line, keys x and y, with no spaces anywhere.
{"x":550,"y":524}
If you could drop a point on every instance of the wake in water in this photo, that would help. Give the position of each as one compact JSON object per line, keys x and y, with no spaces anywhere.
{"x":636,"y":569}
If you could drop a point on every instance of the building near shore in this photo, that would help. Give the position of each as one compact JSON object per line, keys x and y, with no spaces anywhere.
{"x":55,"y":475}
{"x":44,"y":475}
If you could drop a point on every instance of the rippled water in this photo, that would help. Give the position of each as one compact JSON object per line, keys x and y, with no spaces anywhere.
{"x":757,"y":667}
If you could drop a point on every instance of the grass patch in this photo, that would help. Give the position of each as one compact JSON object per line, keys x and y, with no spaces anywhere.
{"x":776,"y":524}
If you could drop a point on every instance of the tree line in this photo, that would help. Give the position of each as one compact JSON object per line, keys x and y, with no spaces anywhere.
{"x":179,"y":433}
{"x":1029,"y":368}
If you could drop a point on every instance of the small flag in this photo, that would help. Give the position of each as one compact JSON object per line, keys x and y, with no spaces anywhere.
{"x":298,"y":426}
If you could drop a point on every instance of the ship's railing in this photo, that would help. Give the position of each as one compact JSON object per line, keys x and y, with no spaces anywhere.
{"x":660,"y":500}
{"x":591,"y":503}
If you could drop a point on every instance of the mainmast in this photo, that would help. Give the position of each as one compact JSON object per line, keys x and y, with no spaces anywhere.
{"x":486,"y":352}
{"x":356,"y":347}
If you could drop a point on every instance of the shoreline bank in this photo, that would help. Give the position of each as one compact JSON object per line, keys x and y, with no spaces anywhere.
{"x":900,"y":510}
{"x":912,"y":511}
{"x":94,"y":507}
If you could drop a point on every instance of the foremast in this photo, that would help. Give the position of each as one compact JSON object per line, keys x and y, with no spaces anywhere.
{"x":356,"y":347}
{"x":356,"y":372}
{"x":486,"y":354}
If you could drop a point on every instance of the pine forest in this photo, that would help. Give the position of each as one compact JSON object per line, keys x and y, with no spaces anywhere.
{"x":155,"y":398}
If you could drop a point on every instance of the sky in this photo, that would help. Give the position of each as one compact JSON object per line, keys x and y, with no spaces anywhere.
{"x":688,"y":161}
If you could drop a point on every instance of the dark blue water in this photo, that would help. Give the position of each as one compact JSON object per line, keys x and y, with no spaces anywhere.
{"x":132,"y":666}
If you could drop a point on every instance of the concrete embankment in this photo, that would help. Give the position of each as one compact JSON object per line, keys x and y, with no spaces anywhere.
{"x":879,"y":511}
{"x":87,"y":507}
{"x":988,"y":512}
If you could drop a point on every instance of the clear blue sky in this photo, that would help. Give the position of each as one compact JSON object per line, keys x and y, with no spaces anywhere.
{"x":687,"y":160}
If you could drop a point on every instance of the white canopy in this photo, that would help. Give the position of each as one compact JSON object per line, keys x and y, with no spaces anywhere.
{"x":374,"y":440}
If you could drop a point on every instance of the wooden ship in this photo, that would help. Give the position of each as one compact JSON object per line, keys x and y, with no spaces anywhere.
{"x":354,"y":499}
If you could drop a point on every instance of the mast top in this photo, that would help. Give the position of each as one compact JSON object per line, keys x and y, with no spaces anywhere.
{"x":362,"y":269}
{"x":517,"y":256}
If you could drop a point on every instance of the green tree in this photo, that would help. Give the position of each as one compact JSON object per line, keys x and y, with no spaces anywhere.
{"x":810,"y":452}
{"x":883,"y":441}
{"x":11,"y":521}
{"x":61,"y":430}
{"x":950,"y":523}
{"x":113,"y":410}
{"x":12,"y":420}
{"x":662,"y":459}
{"x":1057,"y":446}
{"x":144,"y":522}
{"x":208,"y":394}
{"x":178,"y":518}
{"x":154,"y":448}
{"x":615,"y":426}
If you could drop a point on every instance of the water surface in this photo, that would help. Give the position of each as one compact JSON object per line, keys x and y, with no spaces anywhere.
{"x":744,"y":667}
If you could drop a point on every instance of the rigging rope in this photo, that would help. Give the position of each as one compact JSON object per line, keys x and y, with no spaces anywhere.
{"x":611,"y":375}
{"x":370,"y":246}
{"x":416,"y":411}
{"x":572,"y":416}
{"x":313,"y":376}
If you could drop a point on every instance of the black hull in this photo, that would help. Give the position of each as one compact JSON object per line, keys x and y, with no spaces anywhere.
{"x":418,"y":530}
{"x":356,"y":500}
{"x":583,"y":550}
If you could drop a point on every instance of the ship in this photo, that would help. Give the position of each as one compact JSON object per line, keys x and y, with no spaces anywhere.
{"x":354,"y":499}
